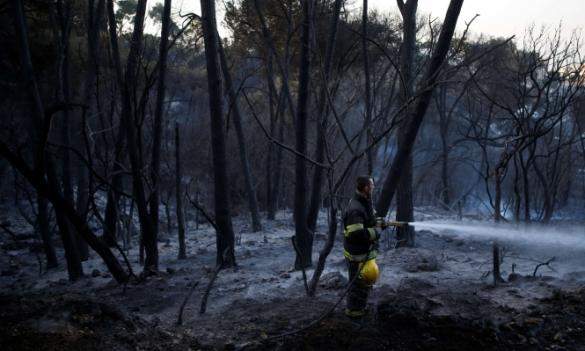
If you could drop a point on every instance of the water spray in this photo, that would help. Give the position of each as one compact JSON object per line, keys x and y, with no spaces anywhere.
{"x":568,"y":236}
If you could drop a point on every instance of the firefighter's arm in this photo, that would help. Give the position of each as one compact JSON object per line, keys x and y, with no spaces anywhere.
{"x":358,"y":231}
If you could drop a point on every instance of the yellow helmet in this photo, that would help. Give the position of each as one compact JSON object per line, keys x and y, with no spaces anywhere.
{"x":369,"y":272}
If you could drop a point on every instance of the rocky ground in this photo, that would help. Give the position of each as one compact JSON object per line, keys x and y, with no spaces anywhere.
{"x":438,"y":296}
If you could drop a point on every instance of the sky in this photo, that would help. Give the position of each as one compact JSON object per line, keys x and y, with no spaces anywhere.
{"x":498,"y":18}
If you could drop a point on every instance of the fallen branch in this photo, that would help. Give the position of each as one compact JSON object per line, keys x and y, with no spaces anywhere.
{"x":203,"y":307}
{"x":130,"y":270}
{"x":182,"y":308}
{"x":211,"y":281}
{"x":124,"y":256}
{"x":547,"y":263}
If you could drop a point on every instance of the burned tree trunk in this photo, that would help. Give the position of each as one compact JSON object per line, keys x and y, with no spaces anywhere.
{"x":95,"y":15}
{"x":112,"y":205}
{"x":304,"y":239}
{"x":317,"y":183}
{"x":498,"y":196}
{"x":74,"y":266}
{"x":276,"y":190}
{"x":82,"y":204}
{"x":252,"y":202}
{"x":499,"y":173}
{"x":179,"y":187}
{"x":63,"y":206}
{"x":46,"y":162}
{"x":272,"y":102}
{"x":225,"y":233}
{"x":404,"y":202}
{"x":497,"y":260}
{"x":112,"y":208}
{"x":45,"y":231}
{"x":148,"y":232}
{"x":367,"y":86}
{"x":35,"y":175}
{"x":158,"y":115}
{"x":444,"y":122}
{"x":75,"y":247}
{"x":405,"y":147}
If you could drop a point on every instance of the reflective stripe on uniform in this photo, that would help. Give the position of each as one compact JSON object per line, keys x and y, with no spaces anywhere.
{"x":353,"y":228}
{"x":355,"y":313}
{"x":372,"y":232}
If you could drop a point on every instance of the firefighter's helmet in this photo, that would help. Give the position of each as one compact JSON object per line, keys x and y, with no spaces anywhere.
{"x":369,"y":272}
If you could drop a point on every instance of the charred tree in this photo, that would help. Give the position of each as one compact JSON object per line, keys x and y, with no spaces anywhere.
{"x":497,"y":261}
{"x":430,"y":78}
{"x":237,"y":118}
{"x":158,"y":116}
{"x":367,"y":84}
{"x":304,"y":238}
{"x":179,"y":187}
{"x":70,"y":242}
{"x":60,"y":204}
{"x":112,"y":205}
{"x":276,"y":190}
{"x":45,"y":231}
{"x":95,"y":16}
{"x":225,"y":234}
{"x":317,"y":182}
{"x":147,"y":229}
{"x":36,"y":175}
{"x":272,"y":101}
{"x":404,"y":202}
{"x":66,"y":231}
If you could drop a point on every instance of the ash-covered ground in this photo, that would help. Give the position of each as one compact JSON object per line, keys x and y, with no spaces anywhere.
{"x":438,"y":295}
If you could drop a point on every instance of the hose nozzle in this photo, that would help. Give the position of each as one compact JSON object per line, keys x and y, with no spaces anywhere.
{"x":382,"y":223}
{"x":397,"y":223}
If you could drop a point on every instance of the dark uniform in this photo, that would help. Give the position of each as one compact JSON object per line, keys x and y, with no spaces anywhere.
{"x":360,"y":244}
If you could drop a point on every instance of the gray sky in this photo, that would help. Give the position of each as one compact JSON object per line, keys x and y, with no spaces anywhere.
{"x":508,"y":17}
{"x":500,"y":18}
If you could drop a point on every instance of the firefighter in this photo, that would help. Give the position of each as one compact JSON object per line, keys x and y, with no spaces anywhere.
{"x":360,"y":244}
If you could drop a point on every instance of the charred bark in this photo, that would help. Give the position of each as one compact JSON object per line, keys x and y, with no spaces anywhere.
{"x":317,"y":183}
{"x":35,"y":175}
{"x":225,"y":234}
{"x":367,"y":86}
{"x":404,"y":202}
{"x":112,"y":205}
{"x":179,"y":187}
{"x":405,"y":148}
{"x":148,"y":232}
{"x":45,"y":231}
{"x":304,"y":238}
{"x":158,"y":116}
{"x":237,"y":118}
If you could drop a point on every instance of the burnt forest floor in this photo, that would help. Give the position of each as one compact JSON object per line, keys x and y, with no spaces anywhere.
{"x":436,"y":296}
